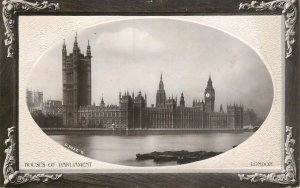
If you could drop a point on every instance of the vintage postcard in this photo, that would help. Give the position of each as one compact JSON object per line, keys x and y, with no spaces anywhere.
{"x":157,"y":95}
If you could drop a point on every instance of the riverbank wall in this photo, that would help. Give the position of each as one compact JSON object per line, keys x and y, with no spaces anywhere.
{"x":99,"y":131}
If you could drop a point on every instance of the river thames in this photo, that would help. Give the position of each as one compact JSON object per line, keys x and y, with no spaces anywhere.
{"x":122,"y":149}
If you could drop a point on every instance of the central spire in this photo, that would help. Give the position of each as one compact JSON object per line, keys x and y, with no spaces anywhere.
{"x":76,"y":48}
{"x":161,"y":83}
{"x":161,"y":94}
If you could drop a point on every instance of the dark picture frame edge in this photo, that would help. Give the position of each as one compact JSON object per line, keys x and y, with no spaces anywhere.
{"x":9,"y":92}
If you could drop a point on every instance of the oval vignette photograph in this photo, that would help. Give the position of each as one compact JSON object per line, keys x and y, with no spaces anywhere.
{"x":149,"y":92}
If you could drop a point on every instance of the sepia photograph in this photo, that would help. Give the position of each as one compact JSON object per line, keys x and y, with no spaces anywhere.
{"x":149,"y":92}
{"x":153,"y":93}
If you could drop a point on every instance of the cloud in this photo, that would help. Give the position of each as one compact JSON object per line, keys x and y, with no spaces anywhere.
{"x":131,"y":55}
{"x":129,"y":41}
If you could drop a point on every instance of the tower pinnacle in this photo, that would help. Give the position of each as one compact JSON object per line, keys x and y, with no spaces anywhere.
{"x":75,"y":47}
{"x":64,"y":50}
{"x":209,"y":82}
{"x":182,"y":102}
{"x":88,"y":51}
{"x":102,"y":101}
{"x":64,"y":44}
{"x":161,"y":83}
{"x":161,"y":94}
{"x":221,"y":109}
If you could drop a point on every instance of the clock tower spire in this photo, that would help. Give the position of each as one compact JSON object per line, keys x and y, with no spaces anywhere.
{"x":161,"y":94}
{"x":209,"y":96}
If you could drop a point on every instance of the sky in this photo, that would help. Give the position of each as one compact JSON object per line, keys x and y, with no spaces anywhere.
{"x":131,"y":55}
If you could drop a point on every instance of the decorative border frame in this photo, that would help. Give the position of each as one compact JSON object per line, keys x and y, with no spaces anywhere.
{"x":13,"y":177}
{"x":288,"y":9}
{"x":12,"y":7}
{"x":288,"y":175}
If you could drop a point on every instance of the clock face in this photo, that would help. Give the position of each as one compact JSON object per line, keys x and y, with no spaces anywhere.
{"x":207,"y":95}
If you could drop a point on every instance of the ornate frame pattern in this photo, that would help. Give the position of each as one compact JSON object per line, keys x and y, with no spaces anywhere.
{"x":9,"y":10}
{"x":11,"y":7}
{"x":13,"y":177}
{"x":287,"y":8}
{"x":288,"y":175}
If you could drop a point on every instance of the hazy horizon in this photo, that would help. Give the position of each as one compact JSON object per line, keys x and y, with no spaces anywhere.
{"x":131,"y":54}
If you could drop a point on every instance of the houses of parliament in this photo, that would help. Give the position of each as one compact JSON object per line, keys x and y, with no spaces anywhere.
{"x":132,"y":112}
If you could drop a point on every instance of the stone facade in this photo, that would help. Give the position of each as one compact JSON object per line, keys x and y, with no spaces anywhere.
{"x":133,"y":113}
{"x":76,"y":69}
{"x":34,"y":100}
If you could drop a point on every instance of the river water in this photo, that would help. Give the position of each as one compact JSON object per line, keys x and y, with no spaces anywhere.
{"x":122,"y":149}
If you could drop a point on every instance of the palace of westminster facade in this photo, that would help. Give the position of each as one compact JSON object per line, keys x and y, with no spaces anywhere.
{"x":132,"y":111}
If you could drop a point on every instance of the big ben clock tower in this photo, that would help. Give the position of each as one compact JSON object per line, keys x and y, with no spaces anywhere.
{"x":209,"y":96}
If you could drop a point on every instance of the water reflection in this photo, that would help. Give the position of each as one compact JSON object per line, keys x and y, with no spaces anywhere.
{"x":121,"y":149}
